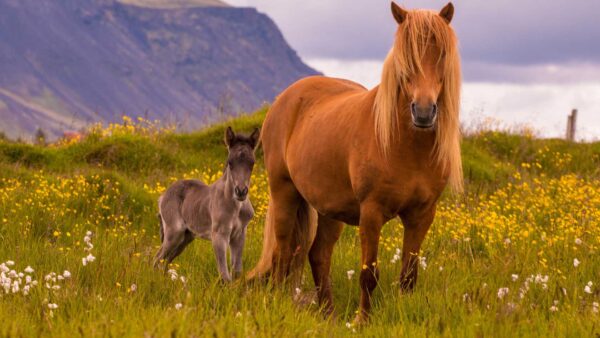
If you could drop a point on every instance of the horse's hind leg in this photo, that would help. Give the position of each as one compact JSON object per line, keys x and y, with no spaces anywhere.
{"x":285,"y":201}
{"x":328,"y":233}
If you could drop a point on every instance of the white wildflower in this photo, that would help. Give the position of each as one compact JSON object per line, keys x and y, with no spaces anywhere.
{"x":133,"y":288}
{"x":178,"y":306}
{"x":578,"y":241}
{"x":66,"y":274}
{"x":90,"y":258}
{"x":553,"y":308}
{"x":507,"y":241}
{"x":595,"y":307}
{"x":52,"y":306}
{"x":423,"y":262}
{"x":88,"y":233}
{"x":576,"y":262}
{"x":514,"y":277}
{"x":28,"y":269}
{"x":28,"y":279}
{"x":588,"y":287}
{"x":15,"y":287}
{"x":183,"y":279}
{"x":502,"y":292}
{"x":298,"y":291}
{"x":9,"y":263}
{"x":84,"y":261}
{"x":465,"y":297}
{"x":13,"y":274}
{"x":60,"y":277}
{"x":56,"y":287}
{"x":350,"y":273}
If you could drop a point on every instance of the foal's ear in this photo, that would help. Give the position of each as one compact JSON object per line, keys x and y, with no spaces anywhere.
{"x":229,"y":137}
{"x":254,"y":137}
{"x":447,"y":12}
{"x":399,"y":13}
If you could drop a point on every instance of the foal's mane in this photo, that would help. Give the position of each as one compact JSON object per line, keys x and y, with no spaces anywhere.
{"x":421,"y":28}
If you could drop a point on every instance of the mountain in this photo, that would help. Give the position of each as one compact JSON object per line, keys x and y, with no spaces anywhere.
{"x":65,"y":64}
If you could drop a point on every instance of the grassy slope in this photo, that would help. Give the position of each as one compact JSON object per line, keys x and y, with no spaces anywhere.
{"x":540,"y":194}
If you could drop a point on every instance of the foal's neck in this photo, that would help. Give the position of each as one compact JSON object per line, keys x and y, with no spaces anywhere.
{"x":224,"y":187}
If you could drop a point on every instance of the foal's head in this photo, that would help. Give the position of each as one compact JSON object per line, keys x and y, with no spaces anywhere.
{"x":425,"y":57}
{"x":240,"y":161}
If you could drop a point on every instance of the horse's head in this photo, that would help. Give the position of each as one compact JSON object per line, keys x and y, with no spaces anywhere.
{"x":423,"y":42}
{"x":240,"y":161}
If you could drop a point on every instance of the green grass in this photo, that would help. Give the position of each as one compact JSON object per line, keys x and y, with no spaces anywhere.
{"x":541,"y":195}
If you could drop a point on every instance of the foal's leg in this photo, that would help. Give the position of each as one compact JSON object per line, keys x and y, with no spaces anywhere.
{"x":221,"y":232}
{"x":416,"y":224}
{"x":237,"y":247}
{"x":328,"y":232}
{"x":188,"y":237}
{"x":285,"y":201}
{"x":174,"y":236}
{"x":371,"y":222}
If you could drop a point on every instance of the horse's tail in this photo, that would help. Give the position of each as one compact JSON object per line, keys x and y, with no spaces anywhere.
{"x":305,"y":229}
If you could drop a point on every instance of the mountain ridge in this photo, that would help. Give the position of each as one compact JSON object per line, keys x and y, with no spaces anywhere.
{"x":70,"y":63}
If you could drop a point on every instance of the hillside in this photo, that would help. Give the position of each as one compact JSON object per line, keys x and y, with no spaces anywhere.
{"x":67,"y":63}
{"x":515,"y":255}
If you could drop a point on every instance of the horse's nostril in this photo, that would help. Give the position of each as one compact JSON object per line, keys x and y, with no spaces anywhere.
{"x":237,"y":191}
{"x":434,"y":109}
{"x":245,"y":191}
{"x":413,"y":107}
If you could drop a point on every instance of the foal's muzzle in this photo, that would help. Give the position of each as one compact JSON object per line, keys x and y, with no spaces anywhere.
{"x":241,"y":193}
{"x":423,"y":116}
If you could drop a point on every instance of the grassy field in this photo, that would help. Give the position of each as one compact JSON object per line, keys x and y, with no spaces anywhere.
{"x":516,"y":255}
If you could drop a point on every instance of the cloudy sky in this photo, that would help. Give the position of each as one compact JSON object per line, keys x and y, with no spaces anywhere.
{"x":524,"y":62}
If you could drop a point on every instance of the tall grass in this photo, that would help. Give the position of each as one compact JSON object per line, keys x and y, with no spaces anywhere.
{"x":499,"y":260}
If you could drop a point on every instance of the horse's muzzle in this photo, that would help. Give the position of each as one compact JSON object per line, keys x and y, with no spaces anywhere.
{"x":423,"y":116}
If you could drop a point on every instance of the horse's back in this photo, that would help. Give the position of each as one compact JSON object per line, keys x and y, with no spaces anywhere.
{"x":305,"y":98}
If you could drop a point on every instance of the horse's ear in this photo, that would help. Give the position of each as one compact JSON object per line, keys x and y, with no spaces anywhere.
{"x":447,"y":12}
{"x":399,"y":13}
{"x":229,"y":137}
{"x":254,"y":137}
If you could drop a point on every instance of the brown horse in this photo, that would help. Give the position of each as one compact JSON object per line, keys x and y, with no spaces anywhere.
{"x":338,"y":153}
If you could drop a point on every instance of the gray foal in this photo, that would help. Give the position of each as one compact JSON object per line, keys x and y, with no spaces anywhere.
{"x":219,"y":212}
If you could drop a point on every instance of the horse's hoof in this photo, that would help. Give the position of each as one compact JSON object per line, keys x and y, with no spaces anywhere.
{"x":361,"y":319}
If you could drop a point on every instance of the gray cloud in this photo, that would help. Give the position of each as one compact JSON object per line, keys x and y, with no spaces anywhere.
{"x":500,"y":34}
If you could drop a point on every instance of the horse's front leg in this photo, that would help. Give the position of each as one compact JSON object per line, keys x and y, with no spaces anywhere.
{"x":220,"y":235}
{"x":371,"y":221}
{"x":416,"y":225}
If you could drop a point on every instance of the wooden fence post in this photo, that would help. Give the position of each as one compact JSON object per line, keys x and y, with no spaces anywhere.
{"x":571,"y":125}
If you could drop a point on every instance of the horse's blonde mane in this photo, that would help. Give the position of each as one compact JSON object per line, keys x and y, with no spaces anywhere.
{"x":420,"y":28}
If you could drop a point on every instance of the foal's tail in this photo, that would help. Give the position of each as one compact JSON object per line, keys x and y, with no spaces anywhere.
{"x":161,"y":229}
{"x":160,"y":221}
{"x":305,"y":229}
